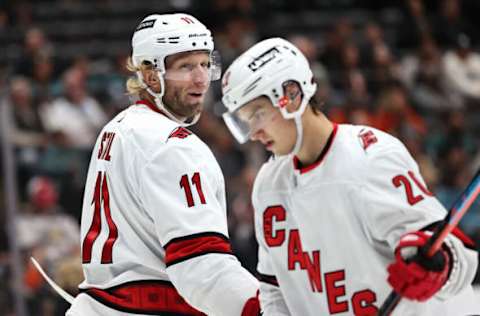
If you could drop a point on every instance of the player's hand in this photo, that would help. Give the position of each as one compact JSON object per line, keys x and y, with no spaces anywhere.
{"x":413,"y":275}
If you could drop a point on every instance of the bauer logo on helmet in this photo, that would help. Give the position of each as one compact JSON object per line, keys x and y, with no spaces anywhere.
{"x":145,"y":25}
{"x":263,"y":59}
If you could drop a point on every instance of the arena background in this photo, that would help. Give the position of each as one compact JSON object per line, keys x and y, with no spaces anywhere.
{"x":411,"y":68}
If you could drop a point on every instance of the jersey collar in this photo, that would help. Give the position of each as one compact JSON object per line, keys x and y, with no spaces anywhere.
{"x":304,"y":169}
{"x":150,"y":106}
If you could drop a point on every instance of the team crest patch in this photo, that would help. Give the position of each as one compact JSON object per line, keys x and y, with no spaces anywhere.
{"x":145,"y":25}
{"x":367,"y":138}
{"x":180,"y":132}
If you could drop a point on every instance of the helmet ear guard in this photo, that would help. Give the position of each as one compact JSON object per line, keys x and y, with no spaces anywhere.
{"x":291,"y":90}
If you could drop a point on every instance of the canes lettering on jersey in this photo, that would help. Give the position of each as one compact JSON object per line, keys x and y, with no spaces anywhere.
{"x":334,"y":281}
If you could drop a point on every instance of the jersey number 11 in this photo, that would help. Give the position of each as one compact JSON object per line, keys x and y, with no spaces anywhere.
{"x":100,"y":195}
{"x":185,"y":184}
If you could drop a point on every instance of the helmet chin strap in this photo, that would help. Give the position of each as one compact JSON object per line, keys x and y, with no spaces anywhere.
{"x":159,"y":103}
{"x":299,"y":140}
{"x":297,"y":117}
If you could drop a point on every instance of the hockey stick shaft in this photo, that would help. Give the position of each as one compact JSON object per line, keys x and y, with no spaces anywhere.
{"x":69,"y":298}
{"x":462,"y":204}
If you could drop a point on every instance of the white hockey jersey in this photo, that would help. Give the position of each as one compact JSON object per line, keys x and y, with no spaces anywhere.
{"x":154,"y":226}
{"x":327,"y":232}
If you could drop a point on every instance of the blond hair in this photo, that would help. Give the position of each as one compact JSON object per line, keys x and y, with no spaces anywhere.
{"x":134,"y":85}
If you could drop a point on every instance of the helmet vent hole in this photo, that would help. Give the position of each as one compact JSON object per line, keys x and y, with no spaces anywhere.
{"x":304,"y":82}
{"x":205,"y":43}
{"x":194,"y":44}
{"x":165,"y":23}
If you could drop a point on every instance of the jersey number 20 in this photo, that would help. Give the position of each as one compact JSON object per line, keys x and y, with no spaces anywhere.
{"x":412,"y":199}
{"x":100,"y":195}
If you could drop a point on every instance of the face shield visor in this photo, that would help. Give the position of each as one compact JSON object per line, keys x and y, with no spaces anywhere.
{"x":210,"y":71}
{"x":246,"y":121}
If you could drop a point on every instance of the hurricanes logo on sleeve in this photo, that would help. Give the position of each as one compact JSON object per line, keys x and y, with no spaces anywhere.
{"x":367,"y":138}
{"x":180,"y":132}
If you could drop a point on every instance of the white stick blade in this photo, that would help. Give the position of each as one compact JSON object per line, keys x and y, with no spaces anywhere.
{"x":69,"y":298}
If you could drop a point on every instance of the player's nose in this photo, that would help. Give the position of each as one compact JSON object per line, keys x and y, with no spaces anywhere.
{"x":200,"y":76}
{"x":257,"y":135}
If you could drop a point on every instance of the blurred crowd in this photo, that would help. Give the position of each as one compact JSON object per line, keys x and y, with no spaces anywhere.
{"x":410,"y":68}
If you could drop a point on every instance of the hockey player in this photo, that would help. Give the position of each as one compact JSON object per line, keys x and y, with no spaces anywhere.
{"x":154,"y":229}
{"x":338,"y":208}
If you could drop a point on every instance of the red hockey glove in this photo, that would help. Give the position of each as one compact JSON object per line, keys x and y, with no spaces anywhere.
{"x":418,"y":277}
{"x":252,"y":307}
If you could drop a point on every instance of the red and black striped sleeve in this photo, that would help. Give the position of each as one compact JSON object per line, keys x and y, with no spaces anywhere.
{"x":467,"y":242}
{"x":269,"y":279}
{"x":457,"y":232}
{"x":195,"y":245}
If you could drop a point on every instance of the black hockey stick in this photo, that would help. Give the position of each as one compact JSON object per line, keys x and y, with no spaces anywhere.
{"x":456,"y":212}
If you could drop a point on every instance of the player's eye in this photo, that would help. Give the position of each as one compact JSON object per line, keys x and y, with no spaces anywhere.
{"x":187,"y":67}
{"x":257,"y":116}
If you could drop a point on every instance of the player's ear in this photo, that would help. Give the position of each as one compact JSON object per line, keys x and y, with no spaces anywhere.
{"x":150,"y":77}
{"x":294,"y":94}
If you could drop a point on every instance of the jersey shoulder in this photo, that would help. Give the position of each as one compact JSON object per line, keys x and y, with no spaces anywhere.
{"x":369,"y":142}
{"x":371,"y":150}
{"x":150,"y":132}
{"x":368,"y":138}
{"x":142,"y":122}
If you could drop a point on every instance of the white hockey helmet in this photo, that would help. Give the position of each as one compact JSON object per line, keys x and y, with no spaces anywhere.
{"x":161,"y":35}
{"x":263,"y":70}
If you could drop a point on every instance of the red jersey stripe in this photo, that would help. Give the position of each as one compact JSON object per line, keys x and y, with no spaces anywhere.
{"x":184,"y":248}
{"x":270,"y":279}
{"x":151,"y":106}
{"x":144,"y":297}
{"x":457,"y":232}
